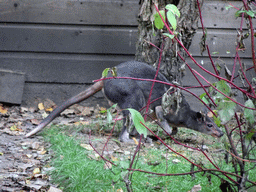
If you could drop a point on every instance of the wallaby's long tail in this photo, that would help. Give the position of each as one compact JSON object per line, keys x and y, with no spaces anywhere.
{"x":76,"y":99}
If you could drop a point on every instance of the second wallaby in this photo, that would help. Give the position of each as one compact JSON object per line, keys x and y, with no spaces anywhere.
{"x":128,"y":93}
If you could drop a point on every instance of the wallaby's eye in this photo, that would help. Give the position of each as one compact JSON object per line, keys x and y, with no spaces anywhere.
{"x":209,"y":125}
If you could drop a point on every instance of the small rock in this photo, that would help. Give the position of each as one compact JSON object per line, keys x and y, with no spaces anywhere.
{"x":54,"y":189}
{"x":175,"y":161}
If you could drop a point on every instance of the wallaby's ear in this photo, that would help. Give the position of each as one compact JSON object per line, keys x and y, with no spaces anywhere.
{"x":198,"y":115}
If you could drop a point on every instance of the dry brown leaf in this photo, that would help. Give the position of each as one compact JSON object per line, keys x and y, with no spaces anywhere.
{"x":41,"y":106}
{"x":49,"y":109}
{"x":3,"y":110}
{"x":35,"y":121}
{"x":87,"y":111}
{"x":113,"y":158}
{"x":135,"y":141}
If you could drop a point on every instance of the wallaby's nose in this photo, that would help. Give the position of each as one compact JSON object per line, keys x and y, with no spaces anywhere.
{"x":221,"y":134}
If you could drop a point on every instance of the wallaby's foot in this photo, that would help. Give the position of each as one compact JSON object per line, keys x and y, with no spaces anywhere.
{"x":124,"y":137}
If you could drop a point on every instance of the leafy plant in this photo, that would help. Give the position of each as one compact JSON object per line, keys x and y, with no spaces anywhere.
{"x":171,"y":13}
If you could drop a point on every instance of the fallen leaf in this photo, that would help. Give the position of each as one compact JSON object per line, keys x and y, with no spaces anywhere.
{"x":1,"y":153}
{"x":44,"y":115}
{"x":82,"y":123}
{"x":36,"y":171}
{"x":23,"y":109}
{"x":48,"y":105}
{"x":15,"y":128}
{"x":87,"y":111}
{"x":107,"y":165}
{"x":87,"y":146}
{"x":29,"y":155}
{"x":54,"y":189}
{"x":196,"y":188}
{"x":43,"y":152}
{"x":68,"y":112}
{"x":135,"y":141}
{"x":114,"y":158}
{"x":41,"y":106}
{"x":3,"y":110}
{"x":35,"y":121}
{"x":49,"y":109}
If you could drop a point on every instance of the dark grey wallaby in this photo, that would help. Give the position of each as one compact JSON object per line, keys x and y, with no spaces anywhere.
{"x":134,"y":94}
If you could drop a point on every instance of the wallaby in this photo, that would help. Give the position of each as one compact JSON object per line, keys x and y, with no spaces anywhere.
{"x":134,"y":94}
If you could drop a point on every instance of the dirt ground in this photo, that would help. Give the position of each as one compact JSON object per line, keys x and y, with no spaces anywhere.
{"x":23,"y":160}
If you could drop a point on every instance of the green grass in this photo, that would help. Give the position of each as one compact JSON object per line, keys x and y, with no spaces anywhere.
{"x":75,"y":171}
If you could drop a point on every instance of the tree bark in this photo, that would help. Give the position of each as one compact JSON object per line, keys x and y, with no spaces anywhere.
{"x":187,"y":26}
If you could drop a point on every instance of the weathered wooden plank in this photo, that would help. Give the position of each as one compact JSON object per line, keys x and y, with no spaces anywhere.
{"x":99,"y":12}
{"x":34,"y":38}
{"x":224,"y":42}
{"x":92,"y":12}
{"x":105,"y":40}
{"x":35,"y":93}
{"x":60,"y":68}
{"x":215,"y":15}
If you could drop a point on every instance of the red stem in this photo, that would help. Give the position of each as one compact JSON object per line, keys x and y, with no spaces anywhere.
{"x":245,"y":92}
{"x":252,"y":35}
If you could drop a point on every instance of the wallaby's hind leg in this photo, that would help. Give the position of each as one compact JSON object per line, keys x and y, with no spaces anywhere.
{"x":163,"y":121}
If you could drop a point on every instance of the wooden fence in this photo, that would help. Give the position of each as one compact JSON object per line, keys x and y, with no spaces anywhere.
{"x":61,"y":46}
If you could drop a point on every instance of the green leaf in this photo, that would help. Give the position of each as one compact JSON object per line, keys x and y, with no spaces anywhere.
{"x":109,"y":115}
{"x":251,"y":13}
{"x":217,"y":120}
{"x":202,"y":96}
{"x":173,"y":9}
{"x":168,"y":35}
{"x":223,"y":87}
{"x":229,"y":6}
{"x":158,"y":20}
{"x":226,"y":110}
{"x":249,"y":113}
{"x":137,"y":118}
{"x":172,"y":20}
{"x":250,"y":134}
{"x":105,"y":72}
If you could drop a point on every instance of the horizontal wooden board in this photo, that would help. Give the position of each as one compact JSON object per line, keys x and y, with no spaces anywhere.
{"x":222,"y":42}
{"x":60,"y":68}
{"x":102,"y":40}
{"x":92,"y":12}
{"x":35,"y":93}
{"x":107,"y":12}
{"x":215,"y":15}
{"x":67,"y":39}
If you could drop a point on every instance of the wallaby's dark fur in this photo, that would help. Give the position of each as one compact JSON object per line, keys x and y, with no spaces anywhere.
{"x":134,"y":94}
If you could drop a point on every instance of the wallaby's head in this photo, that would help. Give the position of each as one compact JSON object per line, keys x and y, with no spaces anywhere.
{"x":178,"y":113}
{"x":201,"y":122}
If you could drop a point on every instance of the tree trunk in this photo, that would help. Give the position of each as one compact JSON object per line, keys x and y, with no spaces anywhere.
{"x":187,"y":26}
